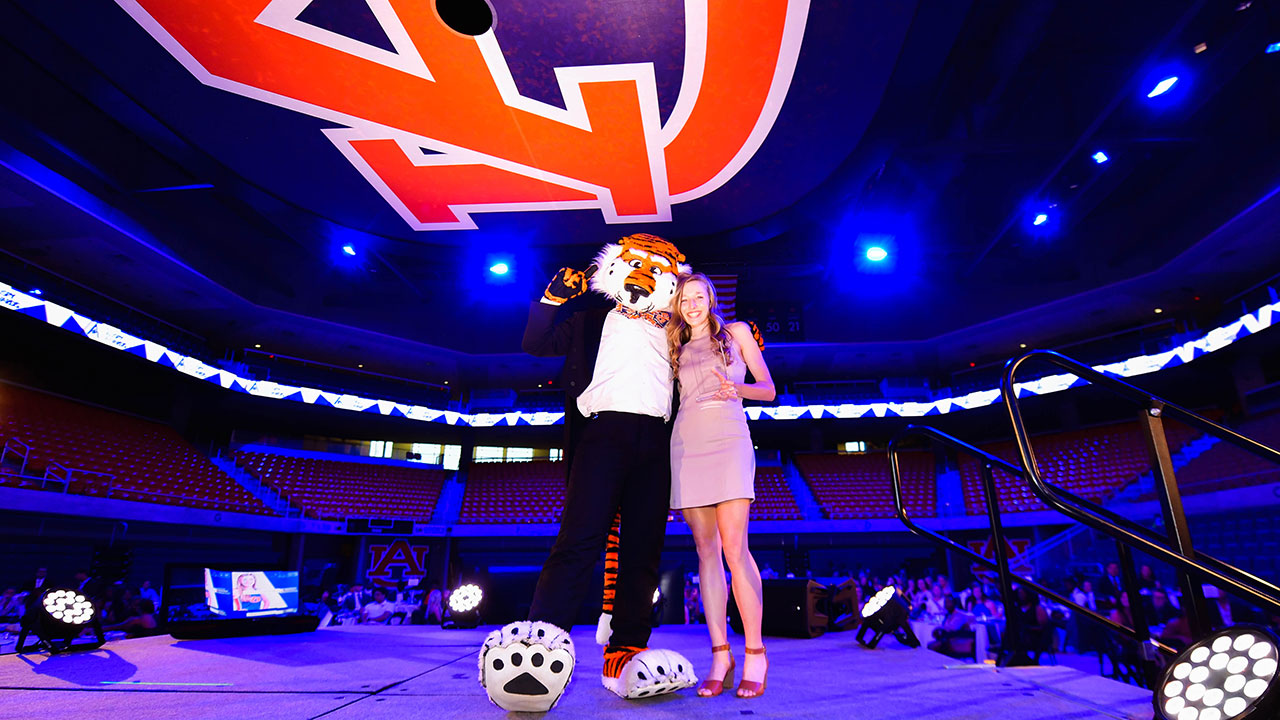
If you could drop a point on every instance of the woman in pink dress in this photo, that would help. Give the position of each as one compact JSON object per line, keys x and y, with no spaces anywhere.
{"x":713,"y":469}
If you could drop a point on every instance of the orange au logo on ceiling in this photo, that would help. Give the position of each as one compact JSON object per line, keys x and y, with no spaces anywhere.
{"x":495,"y":150}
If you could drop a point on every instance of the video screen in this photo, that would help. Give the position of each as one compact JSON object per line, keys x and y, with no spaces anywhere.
{"x":250,"y":593}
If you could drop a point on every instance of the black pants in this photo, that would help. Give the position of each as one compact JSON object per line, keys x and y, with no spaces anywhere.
{"x":623,"y":460}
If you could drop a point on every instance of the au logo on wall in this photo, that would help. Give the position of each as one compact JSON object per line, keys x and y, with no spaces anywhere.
{"x":1014,"y":550}
{"x":389,"y":564}
{"x":438,"y":127}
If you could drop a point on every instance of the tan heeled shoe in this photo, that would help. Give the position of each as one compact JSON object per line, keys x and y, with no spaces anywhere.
{"x":757,"y":688}
{"x":715,"y":687}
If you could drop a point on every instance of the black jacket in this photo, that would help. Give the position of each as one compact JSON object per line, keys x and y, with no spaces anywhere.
{"x":577,"y":339}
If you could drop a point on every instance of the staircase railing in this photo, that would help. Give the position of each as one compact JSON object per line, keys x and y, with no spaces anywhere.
{"x":1175,"y":547}
{"x":988,"y":463}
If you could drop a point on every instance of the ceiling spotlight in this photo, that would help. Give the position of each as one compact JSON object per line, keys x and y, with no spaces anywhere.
{"x":1163,"y":86}
{"x":1022,"y":345}
{"x":876,"y":253}
{"x":60,"y":618}
{"x":1159,"y":310}
{"x":499,"y":268}
{"x":1200,"y":48}
{"x":1100,"y":157}
{"x":257,"y":345}
{"x":1273,"y":48}
{"x":1040,"y":219}
{"x":360,"y":365}
{"x":1230,"y":674}
{"x":349,"y":249}
{"x":886,"y":614}
{"x":464,"y":608}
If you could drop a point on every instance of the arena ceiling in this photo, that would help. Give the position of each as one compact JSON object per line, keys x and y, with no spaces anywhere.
{"x":333,"y":179}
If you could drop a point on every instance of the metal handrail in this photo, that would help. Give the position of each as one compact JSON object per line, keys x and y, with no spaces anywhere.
{"x":1176,"y":548}
{"x":988,"y":462}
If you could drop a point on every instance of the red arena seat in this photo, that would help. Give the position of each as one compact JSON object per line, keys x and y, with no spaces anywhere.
{"x":113,"y":455}
{"x":338,"y":489}
{"x":860,"y":486}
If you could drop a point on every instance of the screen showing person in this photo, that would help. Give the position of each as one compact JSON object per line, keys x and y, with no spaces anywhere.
{"x":251,"y":593}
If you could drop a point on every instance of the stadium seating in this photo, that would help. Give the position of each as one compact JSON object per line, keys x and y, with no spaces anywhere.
{"x":112,"y":455}
{"x":533,"y":492}
{"x":1093,"y":463}
{"x":513,"y":492}
{"x":1224,"y":466}
{"x":336,"y":489}
{"x":860,"y":486}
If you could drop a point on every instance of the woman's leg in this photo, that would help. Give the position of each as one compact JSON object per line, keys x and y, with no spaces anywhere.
{"x":711,"y":584}
{"x":731,"y":517}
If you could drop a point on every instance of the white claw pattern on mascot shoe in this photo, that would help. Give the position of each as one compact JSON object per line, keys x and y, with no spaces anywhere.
{"x":604,"y":629}
{"x":651,"y":673}
{"x":526,"y":666}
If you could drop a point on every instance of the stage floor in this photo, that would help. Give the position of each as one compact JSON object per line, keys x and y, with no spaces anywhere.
{"x":369,"y":673}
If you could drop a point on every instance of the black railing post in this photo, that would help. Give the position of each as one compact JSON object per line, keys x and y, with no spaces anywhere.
{"x":1175,"y":517}
{"x":1137,"y":612}
{"x":1002,"y":563}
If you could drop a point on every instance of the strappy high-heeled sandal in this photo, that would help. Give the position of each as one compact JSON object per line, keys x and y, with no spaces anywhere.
{"x":756,"y":688}
{"x":715,"y":687}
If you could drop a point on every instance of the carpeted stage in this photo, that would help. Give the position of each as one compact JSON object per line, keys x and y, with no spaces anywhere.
{"x":368,"y":673}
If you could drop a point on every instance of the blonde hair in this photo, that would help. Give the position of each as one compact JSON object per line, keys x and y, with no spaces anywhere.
{"x":679,"y":331}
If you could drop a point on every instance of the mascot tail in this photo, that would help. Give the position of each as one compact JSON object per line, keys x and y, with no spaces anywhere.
{"x":603,"y":628}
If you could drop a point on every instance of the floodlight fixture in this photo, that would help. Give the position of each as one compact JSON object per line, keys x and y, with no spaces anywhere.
{"x":464,"y":608}
{"x":1230,"y":675}
{"x":886,"y":614}
{"x":56,"y":620}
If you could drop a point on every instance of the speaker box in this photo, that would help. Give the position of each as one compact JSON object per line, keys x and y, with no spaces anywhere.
{"x":791,"y":609}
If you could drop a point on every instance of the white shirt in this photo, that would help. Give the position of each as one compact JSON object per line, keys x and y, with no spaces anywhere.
{"x":378,"y":609}
{"x":633,"y":370}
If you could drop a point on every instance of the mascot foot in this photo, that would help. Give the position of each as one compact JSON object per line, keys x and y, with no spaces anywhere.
{"x":649,"y":673}
{"x":604,"y":628}
{"x":526,"y":666}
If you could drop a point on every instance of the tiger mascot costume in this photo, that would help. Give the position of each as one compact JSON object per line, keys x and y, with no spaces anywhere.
{"x":618,"y":396}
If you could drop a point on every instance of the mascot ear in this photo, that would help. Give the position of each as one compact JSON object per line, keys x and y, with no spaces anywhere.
{"x":683,"y":268}
{"x":602,"y":261}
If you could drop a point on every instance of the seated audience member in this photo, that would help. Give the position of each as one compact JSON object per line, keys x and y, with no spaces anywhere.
{"x":146,"y":592}
{"x":1177,"y":633}
{"x":11,"y":605}
{"x":138,"y":625}
{"x":380,"y":610}
{"x":1162,"y":611}
{"x":955,"y":636}
{"x":980,"y":605}
{"x":38,"y":583}
{"x":1029,"y":634}
{"x":1083,"y":595}
{"x":430,"y":610}
{"x":1147,"y":579}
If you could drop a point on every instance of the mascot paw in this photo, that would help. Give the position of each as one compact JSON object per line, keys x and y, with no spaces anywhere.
{"x":526,"y":666}
{"x":604,"y":628}
{"x":652,"y":672}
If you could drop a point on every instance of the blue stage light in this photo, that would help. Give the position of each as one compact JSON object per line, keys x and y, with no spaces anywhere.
{"x":1163,"y":86}
{"x":1041,"y":219}
{"x":1273,"y":48}
{"x":1100,"y":157}
{"x":499,"y":268}
{"x":875,"y":253}
{"x":36,"y":291}
{"x":348,"y":249}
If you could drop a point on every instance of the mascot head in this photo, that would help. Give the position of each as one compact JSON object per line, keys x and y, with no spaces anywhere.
{"x":639,"y":271}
